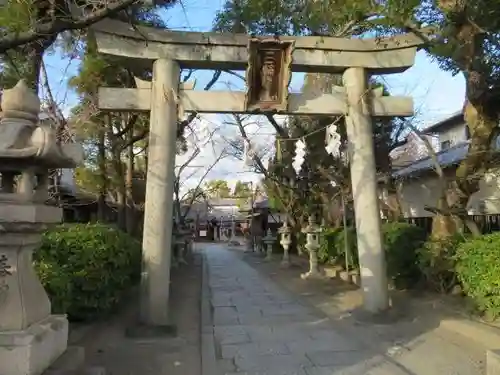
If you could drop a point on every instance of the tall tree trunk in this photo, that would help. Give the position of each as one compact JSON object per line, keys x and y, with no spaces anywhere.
{"x":177,"y":204}
{"x":483,"y":128}
{"x":118,"y":168}
{"x":393,"y":203}
{"x":481,"y":104}
{"x":102,"y":172}
{"x":129,"y":181}
{"x":34,"y":57}
{"x":121,"y":202}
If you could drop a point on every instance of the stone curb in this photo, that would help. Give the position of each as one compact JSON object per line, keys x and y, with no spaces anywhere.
{"x":481,"y":333}
{"x":493,"y":362}
{"x":208,"y":358}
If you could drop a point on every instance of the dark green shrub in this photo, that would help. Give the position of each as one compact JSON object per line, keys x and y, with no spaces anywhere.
{"x":328,"y":252}
{"x":277,"y":248}
{"x":352,"y":247}
{"x":87,"y":268}
{"x":299,"y":243}
{"x":478,"y":269}
{"x":332,"y":249}
{"x":401,"y":243}
{"x":437,"y":263}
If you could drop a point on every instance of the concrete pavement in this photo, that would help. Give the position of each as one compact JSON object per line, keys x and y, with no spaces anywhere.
{"x":257,"y":327}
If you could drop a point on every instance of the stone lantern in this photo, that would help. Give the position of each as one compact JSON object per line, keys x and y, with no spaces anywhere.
{"x":180,"y":244}
{"x":187,"y":237}
{"x":312,"y":245}
{"x":322,"y":227}
{"x":182,"y":239}
{"x":286,"y":241}
{"x":30,"y":337}
{"x":269,"y":241}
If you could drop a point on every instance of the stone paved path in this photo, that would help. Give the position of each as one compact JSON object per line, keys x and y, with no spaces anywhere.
{"x":259,"y":328}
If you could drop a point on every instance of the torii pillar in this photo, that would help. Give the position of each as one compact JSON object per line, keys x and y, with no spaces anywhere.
{"x":365,"y":191}
{"x":158,"y":220}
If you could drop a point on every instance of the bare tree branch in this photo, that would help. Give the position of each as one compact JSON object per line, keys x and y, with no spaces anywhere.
{"x":54,"y":111}
{"x":197,"y":188}
{"x":59,"y":24}
{"x":193,"y":115}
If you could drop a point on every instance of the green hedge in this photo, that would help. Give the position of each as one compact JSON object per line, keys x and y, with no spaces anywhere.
{"x":86,"y":269}
{"x":437,"y":263}
{"x":401,"y":242}
{"x":332,"y":248}
{"x":327,"y":252}
{"x":478,"y":269}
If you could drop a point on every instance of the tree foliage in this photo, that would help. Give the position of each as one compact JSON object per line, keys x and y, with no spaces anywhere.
{"x":217,"y":189}
{"x":32,"y":22}
{"x":115,"y":143}
{"x":242,"y":189}
{"x":294,"y":17}
{"x":462,"y":35}
{"x":312,"y":188}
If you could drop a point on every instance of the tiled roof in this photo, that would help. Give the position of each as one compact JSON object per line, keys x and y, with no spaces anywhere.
{"x":452,"y":120}
{"x":446,"y":158}
{"x":259,"y":202}
{"x":214,"y":202}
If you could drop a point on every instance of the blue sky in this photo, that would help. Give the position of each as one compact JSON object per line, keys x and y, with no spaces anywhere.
{"x":436,"y":93}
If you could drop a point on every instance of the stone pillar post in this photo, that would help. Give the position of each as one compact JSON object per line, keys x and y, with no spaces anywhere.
{"x":312,"y":246}
{"x":365,"y":192}
{"x":180,"y":243}
{"x":30,"y":337}
{"x":269,"y":241}
{"x":233,"y":230}
{"x":285,"y":242}
{"x":493,"y":362}
{"x":158,"y":213}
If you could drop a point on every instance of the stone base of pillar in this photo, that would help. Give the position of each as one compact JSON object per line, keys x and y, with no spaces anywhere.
{"x":32,"y":351}
{"x":285,"y":263}
{"x":249,"y":246}
{"x":312,"y":275}
{"x":181,"y":259}
{"x":493,"y":362}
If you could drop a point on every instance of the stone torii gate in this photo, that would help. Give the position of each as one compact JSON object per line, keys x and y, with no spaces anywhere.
{"x":268,"y":62}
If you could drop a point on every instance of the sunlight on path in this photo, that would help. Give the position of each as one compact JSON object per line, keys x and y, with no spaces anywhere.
{"x":262,"y":329}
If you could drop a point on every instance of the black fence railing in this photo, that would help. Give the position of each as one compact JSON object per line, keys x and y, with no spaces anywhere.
{"x":485,"y":223}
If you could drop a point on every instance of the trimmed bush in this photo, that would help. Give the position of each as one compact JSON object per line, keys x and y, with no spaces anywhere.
{"x":401,"y":243}
{"x":298,"y":242}
{"x":332,"y":249}
{"x":478,"y":269}
{"x":328,"y":252}
{"x":437,"y":263}
{"x":87,"y":268}
{"x":352,"y":246}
